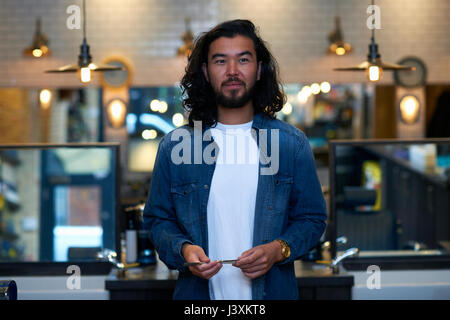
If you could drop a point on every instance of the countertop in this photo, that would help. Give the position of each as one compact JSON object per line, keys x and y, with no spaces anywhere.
{"x":159,"y":276}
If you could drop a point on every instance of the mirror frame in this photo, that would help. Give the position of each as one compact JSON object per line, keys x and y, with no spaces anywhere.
{"x":387,"y":262}
{"x":61,"y":268}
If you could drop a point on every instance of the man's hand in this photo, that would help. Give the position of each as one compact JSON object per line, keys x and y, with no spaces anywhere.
{"x":193,"y":253}
{"x":258,"y":260}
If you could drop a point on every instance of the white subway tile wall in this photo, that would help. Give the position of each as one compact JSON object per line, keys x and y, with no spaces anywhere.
{"x":148,"y":32}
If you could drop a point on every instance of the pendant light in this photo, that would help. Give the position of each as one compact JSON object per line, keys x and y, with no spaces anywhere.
{"x":374,"y":67}
{"x":85,"y":66}
{"x":188,"y":41}
{"x":39,"y":47}
{"x":337,"y":44}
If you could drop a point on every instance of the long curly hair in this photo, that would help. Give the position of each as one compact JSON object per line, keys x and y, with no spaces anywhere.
{"x":198,"y":95}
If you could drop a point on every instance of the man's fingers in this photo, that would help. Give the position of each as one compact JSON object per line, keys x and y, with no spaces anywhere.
{"x":249,"y":259}
{"x":246,"y":253}
{"x":194,"y":253}
{"x":213,"y":271}
{"x":206,"y":271}
{"x":206,"y":267}
{"x":255,"y":268}
{"x":258,"y":265}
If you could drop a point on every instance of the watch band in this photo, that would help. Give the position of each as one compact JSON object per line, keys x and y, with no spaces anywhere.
{"x":285,"y":249}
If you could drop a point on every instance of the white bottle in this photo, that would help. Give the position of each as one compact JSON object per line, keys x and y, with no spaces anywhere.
{"x":131,"y":239}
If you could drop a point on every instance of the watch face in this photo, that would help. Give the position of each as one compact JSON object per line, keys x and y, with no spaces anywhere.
{"x":116,"y":78}
{"x":413,"y":78}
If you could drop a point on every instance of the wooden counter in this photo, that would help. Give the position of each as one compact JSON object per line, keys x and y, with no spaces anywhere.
{"x":158,"y":282}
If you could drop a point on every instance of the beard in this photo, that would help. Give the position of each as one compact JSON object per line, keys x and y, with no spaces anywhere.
{"x":234,"y":101}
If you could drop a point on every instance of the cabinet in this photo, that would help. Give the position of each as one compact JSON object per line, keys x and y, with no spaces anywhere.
{"x":157,"y":283}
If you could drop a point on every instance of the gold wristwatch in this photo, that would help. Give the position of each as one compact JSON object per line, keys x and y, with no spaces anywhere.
{"x":285,"y":249}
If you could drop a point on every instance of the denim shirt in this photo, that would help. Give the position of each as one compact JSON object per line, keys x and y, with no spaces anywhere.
{"x":289,"y":203}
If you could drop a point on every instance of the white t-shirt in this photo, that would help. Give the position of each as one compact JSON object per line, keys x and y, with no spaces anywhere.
{"x":231,"y":208}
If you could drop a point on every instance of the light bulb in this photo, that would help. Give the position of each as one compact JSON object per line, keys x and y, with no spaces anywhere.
{"x":409,"y":109}
{"x":315,"y":88}
{"x":340,"y":51}
{"x":37,"y":53}
{"x":325,"y":87}
{"x":177,"y":119}
{"x":162,"y":106}
{"x":155,"y":105}
{"x":374,"y":73}
{"x":287,"y":108}
{"x":117,"y":111}
{"x":117,"y":108}
{"x":45,"y":96}
{"x":85,"y":74}
{"x":304,"y":94}
{"x":149,"y":134}
{"x":307,"y":90}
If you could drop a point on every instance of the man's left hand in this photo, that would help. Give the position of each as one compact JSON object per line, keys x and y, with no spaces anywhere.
{"x":258,"y":260}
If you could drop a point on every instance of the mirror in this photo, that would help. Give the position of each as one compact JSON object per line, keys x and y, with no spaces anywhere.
{"x":153,"y":112}
{"x":323,"y":111}
{"x":391,"y":197}
{"x":58,"y":202}
{"x":59,"y":115}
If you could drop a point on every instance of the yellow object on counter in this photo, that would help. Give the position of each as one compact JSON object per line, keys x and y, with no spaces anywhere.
{"x":371,"y":179}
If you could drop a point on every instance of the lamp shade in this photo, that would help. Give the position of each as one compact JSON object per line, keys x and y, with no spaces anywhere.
{"x":39,"y":48}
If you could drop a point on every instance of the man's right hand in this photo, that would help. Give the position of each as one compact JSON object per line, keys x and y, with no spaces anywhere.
{"x":193,"y":253}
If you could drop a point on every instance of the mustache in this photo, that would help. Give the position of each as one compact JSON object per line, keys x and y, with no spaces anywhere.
{"x":233,"y":79}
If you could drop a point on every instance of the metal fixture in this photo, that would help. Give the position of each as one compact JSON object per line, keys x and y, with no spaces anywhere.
{"x":374,"y":66}
{"x":327,"y":244}
{"x":188,"y":40}
{"x":39,"y":47}
{"x":84,"y":67}
{"x":337,"y":44}
{"x":111,"y":257}
{"x":334,"y":265}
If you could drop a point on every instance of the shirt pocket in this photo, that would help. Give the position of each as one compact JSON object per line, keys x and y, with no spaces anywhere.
{"x":282,"y":188}
{"x":184,"y":196}
{"x":183,"y":189}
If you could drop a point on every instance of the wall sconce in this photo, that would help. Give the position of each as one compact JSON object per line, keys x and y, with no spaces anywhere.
{"x":116,"y":111}
{"x":409,"y":107}
{"x":45,"y":97}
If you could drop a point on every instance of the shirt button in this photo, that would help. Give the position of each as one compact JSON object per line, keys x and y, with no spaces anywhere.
{"x":206,"y":186}
{"x":270,"y":207}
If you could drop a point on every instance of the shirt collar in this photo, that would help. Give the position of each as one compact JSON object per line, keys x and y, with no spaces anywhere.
{"x":258,"y":122}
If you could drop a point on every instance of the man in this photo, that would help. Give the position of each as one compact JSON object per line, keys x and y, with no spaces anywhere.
{"x":264,"y":214}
